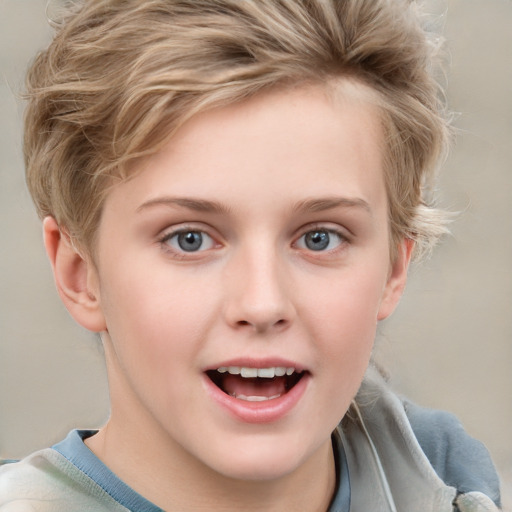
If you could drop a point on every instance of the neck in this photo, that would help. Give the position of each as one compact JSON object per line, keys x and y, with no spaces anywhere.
{"x":178,"y":481}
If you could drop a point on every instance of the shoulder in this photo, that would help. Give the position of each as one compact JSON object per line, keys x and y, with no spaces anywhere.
{"x":426,"y":444}
{"x":46,"y":481}
{"x":460,"y":460}
{"x":25,"y":483}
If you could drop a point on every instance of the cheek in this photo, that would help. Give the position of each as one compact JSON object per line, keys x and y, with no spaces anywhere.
{"x":153,"y":323}
{"x":343,"y":321}
{"x":346,"y":305}
{"x":153,"y":350}
{"x":342,"y":325}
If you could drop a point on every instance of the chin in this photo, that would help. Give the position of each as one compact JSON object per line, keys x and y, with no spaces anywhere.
{"x":259,"y":461}
{"x":257,"y":471}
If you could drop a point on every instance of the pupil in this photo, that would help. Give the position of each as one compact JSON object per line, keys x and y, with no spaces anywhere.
{"x":190,"y":241}
{"x":317,"y":240}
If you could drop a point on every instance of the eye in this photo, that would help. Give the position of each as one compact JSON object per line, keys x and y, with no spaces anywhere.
{"x":189,"y":241}
{"x":320,"y":240}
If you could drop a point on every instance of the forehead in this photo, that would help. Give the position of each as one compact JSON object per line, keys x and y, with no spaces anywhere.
{"x":303,"y":140}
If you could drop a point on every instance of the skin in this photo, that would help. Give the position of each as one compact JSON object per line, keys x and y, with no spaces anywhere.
{"x":276,"y":167}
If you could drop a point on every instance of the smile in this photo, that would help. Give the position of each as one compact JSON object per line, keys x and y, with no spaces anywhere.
{"x":255,"y":384}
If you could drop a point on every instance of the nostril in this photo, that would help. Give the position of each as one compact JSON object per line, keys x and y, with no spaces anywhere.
{"x":262,"y":325}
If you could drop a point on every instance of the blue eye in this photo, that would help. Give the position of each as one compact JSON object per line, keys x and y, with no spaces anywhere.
{"x":189,"y":241}
{"x":320,"y":240}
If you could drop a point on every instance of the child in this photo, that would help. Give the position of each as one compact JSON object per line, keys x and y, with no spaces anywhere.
{"x":232,"y":192}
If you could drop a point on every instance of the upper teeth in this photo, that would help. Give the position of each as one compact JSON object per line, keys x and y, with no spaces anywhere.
{"x":246,"y":372}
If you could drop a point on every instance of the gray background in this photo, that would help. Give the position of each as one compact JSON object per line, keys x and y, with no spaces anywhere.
{"x":448,"y":346}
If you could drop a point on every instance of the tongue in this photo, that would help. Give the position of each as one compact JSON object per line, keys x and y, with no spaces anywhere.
{"x":236,"y":385}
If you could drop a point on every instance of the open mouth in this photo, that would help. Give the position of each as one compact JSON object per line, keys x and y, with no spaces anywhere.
{"x":255,"y":384}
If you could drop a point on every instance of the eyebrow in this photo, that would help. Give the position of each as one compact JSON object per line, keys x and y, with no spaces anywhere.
{"x":208,"y":206}
{"x":329,"y":203}
{"x":200,"y":205}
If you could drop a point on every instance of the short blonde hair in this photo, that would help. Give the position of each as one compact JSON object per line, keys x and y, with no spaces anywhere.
{"x":120,"y":77}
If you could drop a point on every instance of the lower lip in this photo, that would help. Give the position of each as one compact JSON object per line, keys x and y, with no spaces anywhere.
{"x":258,"y":412}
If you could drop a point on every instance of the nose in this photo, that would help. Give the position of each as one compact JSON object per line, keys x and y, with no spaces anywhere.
{"x":258,"y":288}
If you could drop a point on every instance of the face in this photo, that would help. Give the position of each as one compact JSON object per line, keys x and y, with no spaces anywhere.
{"x":241,"y":274}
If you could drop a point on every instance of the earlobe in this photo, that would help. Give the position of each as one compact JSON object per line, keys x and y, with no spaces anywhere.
{"x":396,"y":280}
{"x":75,"y":277}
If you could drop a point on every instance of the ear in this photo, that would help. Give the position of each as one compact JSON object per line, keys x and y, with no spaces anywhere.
{"x":396,"y":281}
{"x":75,"y":276}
